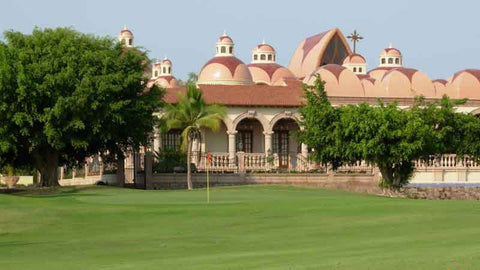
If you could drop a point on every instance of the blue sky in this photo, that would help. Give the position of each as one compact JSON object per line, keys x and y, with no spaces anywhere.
{"x":437,"y":37}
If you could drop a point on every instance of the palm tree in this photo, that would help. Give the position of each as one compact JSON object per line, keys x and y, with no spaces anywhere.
{"x":191,"y":113}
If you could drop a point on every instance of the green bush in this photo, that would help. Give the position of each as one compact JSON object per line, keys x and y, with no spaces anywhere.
{"x":168,"y":159}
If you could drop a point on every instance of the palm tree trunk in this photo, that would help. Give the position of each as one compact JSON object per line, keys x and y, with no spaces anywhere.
{"x":189,"y":169}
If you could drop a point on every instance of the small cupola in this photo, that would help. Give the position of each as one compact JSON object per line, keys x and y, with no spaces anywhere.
{"x":263,"y":53}
{"x":126,"y":37}
{"x":224,"y":45}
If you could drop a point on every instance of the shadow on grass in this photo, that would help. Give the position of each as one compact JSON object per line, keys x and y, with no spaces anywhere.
{"x":53,"y":192}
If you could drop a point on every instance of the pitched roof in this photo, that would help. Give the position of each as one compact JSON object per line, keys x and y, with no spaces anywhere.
{"x":247,"y":95}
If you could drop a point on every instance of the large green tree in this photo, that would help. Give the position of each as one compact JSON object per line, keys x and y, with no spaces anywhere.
{"x":383,"y":135}
{"x":65,"y":95}
{"x":191,"y":113}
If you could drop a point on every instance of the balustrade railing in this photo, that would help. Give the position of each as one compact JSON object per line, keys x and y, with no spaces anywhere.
{"x":220,"y":162}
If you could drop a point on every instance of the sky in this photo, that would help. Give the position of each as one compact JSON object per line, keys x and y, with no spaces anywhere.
{"x":437,"y":37}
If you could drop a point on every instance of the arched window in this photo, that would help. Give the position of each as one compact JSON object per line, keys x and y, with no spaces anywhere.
{"x":262,"y":57}
{"x":156,"y":73}
{"x":359,"y":69}
{"x":169,"y":70}
{"x":223,"y":50}
{"x":124,"y":42}
{"x":270,"y":57}
{"x":390,"y":60}
{"x":130,"y":42}
{"x":354,"y":69}
{"x":255,"y":57}
{"x":397,"y":61}
{"x":230,"y":49}
{"x":164,"y":70}
{"x":383,"y":60}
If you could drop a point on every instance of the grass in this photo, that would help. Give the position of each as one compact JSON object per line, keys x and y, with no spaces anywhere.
{"x":247,"y":227}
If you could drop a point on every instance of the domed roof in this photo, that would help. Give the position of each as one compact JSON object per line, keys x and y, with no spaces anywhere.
{"x":166,"y":81}
{"x":166,"y":61}
{"x":126,"y":32}
{"x":378,"y":72}
{"x":339,"y":81}
{"x":464,"y":84}
{"x":371,"y":88}
{"x":354,"y":58}
{"x":263,"y":48}
{"x":407,"y":82}
{"x":225,"y":70}
{"x":268,"y":73}
{"x":225,"y":39}
{"x":440,"y":87}
{"x":390,"y":51}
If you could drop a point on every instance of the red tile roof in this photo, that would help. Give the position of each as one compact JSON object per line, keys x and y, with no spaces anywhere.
{"x":247,"y":95}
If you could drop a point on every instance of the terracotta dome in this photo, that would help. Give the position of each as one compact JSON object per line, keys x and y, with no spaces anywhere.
{"x":390,"y":52}
{"x":339,"y":81}
{"x":166,"y":61}
{"x":440,"y":87}
{"x":225,"y":70}
{"x":354,"y":58}
{"x":464,"y":84}
{"x":268,"y":73}
{"x":225,"y":40}
{"x":406,"y":82}
{"x":378,"y":72}
{"x":126,"y":33}
{"x":370,"y":87}
{"x":166,"y":81}
{"x":263,"y":48}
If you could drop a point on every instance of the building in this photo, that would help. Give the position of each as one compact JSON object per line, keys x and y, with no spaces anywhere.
{"x":263,"y":97}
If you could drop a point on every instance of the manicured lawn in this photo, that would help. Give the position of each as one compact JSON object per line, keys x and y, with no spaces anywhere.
{"x":248,"y":227}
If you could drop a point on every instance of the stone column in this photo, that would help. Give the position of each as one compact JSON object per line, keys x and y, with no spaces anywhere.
{"x":268,"y":142}
{"x":232,"y":147}
{"x":304,"y":150}
{"x":86,"y":170}
{"x":62,"y":172}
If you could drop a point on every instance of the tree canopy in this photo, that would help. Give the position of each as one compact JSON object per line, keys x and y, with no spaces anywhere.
{"x":385,"y":135}
{"x":65,"y":95}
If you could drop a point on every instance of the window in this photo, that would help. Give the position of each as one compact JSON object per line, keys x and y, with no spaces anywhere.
{"x":354,"y":69}
{"x":270,"y":57}
{"x":172,"y":140}
{"x":156,"y":73}
{"x":130,"y":42}
{"x":255,"y":57}
{"x":230,"y":49}
{"x":164,"y":70}
{"x":223,"y":50}
{"x":169,"y":70}
{"x":397,"y":61}
{"x":244,"y":141}
{"x":124,"y":42}
{"x":262,"y":57}
{"x":359,"y":69}
{"x":390,"y":60}
{"x":383,"y":60}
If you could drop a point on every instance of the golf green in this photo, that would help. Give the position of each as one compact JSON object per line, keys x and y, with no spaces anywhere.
{"x":246,"y":227}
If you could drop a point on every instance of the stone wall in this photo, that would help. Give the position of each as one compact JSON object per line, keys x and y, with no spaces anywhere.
{"x":364,"y":183}
{"x":458,"y":192}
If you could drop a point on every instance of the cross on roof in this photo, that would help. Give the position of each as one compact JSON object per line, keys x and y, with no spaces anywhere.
{"x":355,"y":37}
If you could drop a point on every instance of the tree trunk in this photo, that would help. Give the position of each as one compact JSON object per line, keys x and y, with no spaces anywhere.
{"x":189,"y":169}
{"x":120,"y":175}
{"x":47,"y":163}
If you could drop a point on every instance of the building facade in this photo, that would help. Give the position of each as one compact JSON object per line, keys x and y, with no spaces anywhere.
{"x":263,"y":97}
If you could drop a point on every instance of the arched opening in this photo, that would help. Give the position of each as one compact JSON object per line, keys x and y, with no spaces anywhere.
{"x":397,"y":61}
{"x":169,"y":70}
{"x":164,"y":70}
{"x":284,"y":142}
{"x":156,"y":73}
{"x":255,"y":57}
{"x":354,"y":69}
{"x":250,"y":138}
{"x":262,"y":57}
{"x":269,"y":57}
{"x":223,"y":50}
{"x":390,"y":60}
{"x":230,"y":49}
{"x":383,"y":61}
